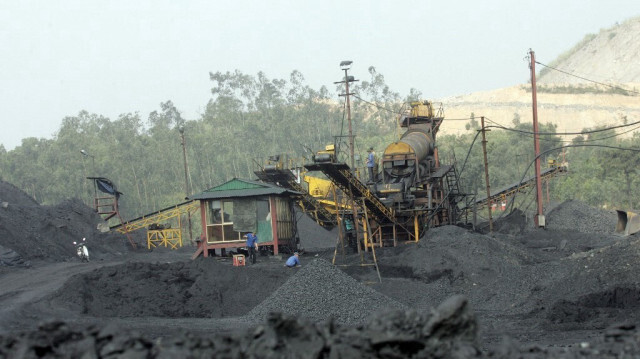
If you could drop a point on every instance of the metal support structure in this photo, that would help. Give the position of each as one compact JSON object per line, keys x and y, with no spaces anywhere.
{"x":155,"y":217}
{"x":512,"y":189}
{"x":539,"y":218}
{"x":486,"y":169}
{"x":373,"y":247}
{"x":340,"y":241}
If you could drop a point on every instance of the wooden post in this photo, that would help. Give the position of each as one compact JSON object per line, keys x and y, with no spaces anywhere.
{"x":274,"y":223}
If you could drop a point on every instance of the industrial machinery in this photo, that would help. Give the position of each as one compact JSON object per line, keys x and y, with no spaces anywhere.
{"x":328,"y":155}
{"x":413,"y":192}
{"x":413,"y":182}
{"x":407,"y":164}
{"x":628,"y":222}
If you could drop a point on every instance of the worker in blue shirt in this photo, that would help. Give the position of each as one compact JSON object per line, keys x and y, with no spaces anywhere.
{"x":371,"y":163}
{"x":252,"y":246}
{"x":293,"y":261}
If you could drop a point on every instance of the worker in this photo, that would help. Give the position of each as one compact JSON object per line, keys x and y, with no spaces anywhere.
{"x":252,"y":245}
{"x":371,"y":163}
{"x":293,"y":261}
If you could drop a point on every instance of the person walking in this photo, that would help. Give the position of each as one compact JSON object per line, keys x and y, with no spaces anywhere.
{"x":293,"y":261}
{"x":371,"y":162}
{"x":252,"y":246}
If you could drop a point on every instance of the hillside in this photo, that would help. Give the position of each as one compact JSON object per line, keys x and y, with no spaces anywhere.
{"x":610,"y":57}
{"x":570,"y":112}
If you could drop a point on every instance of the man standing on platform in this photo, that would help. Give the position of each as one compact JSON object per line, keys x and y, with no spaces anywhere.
{"x":371,"y":163}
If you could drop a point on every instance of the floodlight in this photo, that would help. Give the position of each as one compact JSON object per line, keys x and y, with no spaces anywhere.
{"x":346,"y":64}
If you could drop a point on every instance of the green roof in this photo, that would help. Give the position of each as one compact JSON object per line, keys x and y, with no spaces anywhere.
{"x":238,"y":187}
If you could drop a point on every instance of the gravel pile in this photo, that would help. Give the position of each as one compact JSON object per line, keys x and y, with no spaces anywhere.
{"x":577,"y":216}
{"x":320,"y":291}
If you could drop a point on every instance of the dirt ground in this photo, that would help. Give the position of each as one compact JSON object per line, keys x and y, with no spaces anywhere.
{"x":569,"y":291}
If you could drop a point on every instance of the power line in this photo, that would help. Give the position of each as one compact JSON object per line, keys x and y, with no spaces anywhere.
{"x":529,"y":134}
{"x":566,"y":133}
{"x":586,"y":79}
{"x":400,"y":113}
{"x":568,"y":146}
{"x":376,"y":105}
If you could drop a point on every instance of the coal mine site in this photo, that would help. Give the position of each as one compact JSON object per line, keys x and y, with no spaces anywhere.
{"x":569,"y":290}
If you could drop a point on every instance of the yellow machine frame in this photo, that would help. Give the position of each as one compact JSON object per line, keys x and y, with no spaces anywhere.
{"x":169,"y":237}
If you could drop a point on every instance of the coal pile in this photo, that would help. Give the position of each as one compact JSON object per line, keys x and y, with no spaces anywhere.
{"x":448,"y":331}
{"x":319,"y":291}
{"x":205,"y":288}
{"x":568,"y":291}
{"x":29,"y":231}
{"x":596,"y":288}
{"x":449,"y":260}
{"x":577,"y":216}
{"x":312,"y":236}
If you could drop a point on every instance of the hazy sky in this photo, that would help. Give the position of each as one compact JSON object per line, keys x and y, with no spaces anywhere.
{"x":113,"y":57}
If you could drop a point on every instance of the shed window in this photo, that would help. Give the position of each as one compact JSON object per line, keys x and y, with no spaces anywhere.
{"x":220,"y":222}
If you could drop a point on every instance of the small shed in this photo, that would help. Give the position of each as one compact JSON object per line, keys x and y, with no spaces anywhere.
{"x":239,"y":206}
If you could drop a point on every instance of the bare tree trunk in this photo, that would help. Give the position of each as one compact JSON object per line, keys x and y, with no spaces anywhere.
{"x":135,"y":178}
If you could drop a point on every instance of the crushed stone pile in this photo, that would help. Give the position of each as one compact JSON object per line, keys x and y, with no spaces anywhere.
{"x":448,"y":331}
{"x":577,"y":216}
{"x":47,"y":233}
{"x":319,"y":291}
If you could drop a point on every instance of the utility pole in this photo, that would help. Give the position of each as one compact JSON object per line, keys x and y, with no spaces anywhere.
{"x":186,"y":178}
{"x":345,"y":66}
{"x":486,"y":172}
{"x":539,"y":218}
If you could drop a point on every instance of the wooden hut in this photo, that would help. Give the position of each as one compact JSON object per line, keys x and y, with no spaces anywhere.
{"x":239,"y":206}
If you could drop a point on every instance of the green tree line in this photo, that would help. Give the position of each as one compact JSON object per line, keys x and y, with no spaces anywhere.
{"x":250,"y":117}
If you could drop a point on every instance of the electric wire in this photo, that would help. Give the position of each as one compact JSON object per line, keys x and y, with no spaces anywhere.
{"x":571,"y":141}
{"x":513,"y":198}
{"x":401,"y":112}
{"x":566,"y":133}
{"x":586,"y":79}
{"x":376,"y":105}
